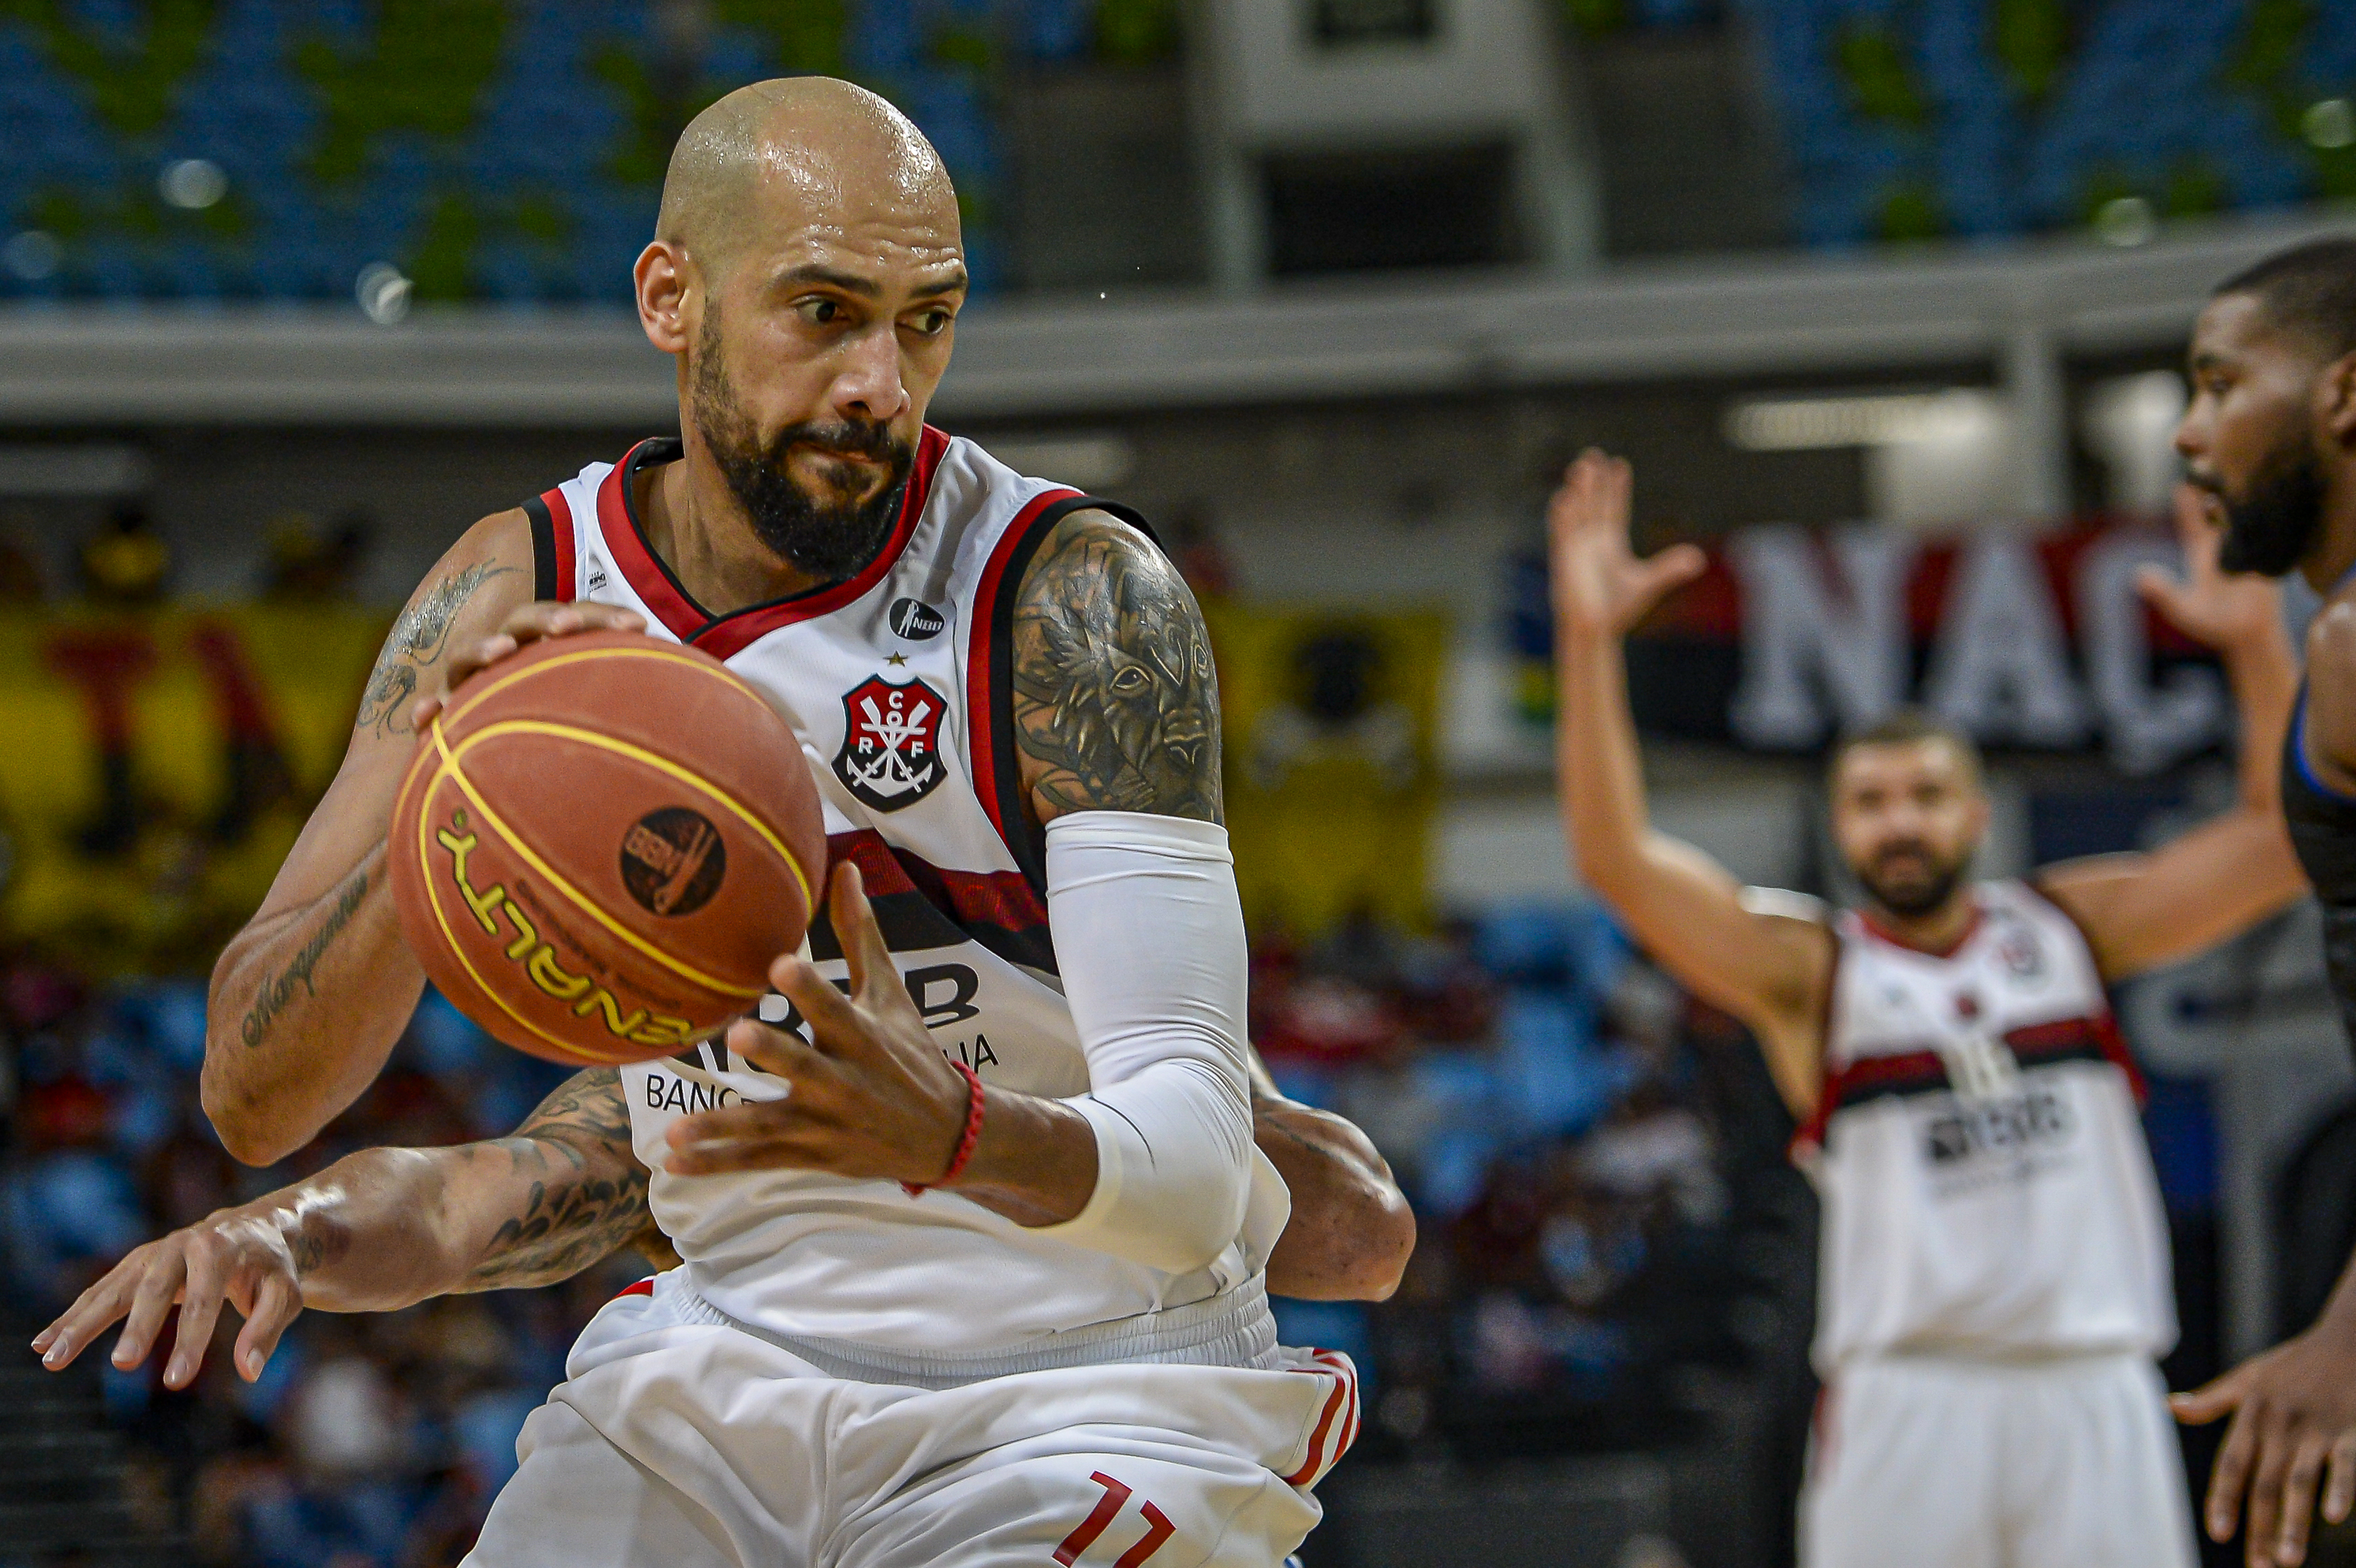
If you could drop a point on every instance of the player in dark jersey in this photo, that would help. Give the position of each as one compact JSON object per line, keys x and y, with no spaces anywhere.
{"x":2271,"y":437}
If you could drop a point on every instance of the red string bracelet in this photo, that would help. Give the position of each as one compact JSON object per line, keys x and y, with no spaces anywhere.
{"x":964,"y":1144}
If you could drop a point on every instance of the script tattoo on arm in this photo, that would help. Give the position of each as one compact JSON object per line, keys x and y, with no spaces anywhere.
{"x":416,"y":642}
{"x":277,"y":993}
{"x":587,"y":1196}
{"x":1116,"y":704}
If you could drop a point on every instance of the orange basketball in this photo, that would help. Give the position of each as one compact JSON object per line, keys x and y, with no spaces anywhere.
{"x":600,"y":846}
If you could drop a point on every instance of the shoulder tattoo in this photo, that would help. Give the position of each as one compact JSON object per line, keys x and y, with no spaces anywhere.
{"x":416,"y":644}
{"x":1115,"y":702}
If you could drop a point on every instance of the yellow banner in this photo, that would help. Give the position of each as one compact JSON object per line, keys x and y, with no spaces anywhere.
{"x":1330,"y":723}
{"x":156,"y":768}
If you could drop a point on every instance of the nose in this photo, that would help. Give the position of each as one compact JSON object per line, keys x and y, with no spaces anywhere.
{"x":2185,"y":440}
{"x":867,"y":387}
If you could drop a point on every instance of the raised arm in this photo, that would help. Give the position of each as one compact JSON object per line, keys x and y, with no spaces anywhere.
{"x":379,"y":1230}
{"x":1729,"y":945}
{"x":308,"y":999}
{"x":2140,"y":911}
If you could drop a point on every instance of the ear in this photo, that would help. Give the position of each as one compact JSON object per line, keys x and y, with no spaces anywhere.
{"x":2335,"y":401}
{"x":663,"y":277}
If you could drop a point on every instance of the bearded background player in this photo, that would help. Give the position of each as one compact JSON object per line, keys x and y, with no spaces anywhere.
{"x":2270,"y":435}
{"x":1006,"y":695}
{"x":1994,"y":1280}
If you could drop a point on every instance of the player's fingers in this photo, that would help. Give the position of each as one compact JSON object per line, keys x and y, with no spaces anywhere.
{"x":159,"y":1286}
{"x":2261,"y":1509}
{"x":2300,"y":1481}
{"x":1672,"y":568}
{"x":201,"y":1305}
{"x":421,"y":714}
{"x":2217,"y":1397}
{"x":2195,"y":511}
{"x":875,"y":982}
{"x":276,"y":1304}
{"x":88,"y":1318}
{"x":774,"y":1050}
{"x":2339,"y":1480}
{"x":2229,"y":1475}
{"x":554,"y":617}
{"x":2160,"y":589}
{"x":832,"y":1020}
{"x":465,"y":663}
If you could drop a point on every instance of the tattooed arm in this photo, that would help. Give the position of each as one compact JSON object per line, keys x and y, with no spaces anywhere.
{"x":379,"y":1230}
{"x":1117,"y":708}
{"x":308,"y":999}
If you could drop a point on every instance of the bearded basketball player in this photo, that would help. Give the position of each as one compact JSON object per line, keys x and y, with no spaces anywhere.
{"x":2270,"y":435}
{"x":1993,"y":1283}
{"x":975,"y":1253}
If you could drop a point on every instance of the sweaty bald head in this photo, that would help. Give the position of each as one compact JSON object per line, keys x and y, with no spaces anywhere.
{"x":798,"y":153}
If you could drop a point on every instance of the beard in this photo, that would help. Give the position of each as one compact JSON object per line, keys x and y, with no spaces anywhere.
{"x":830,"y":537}
{"x":2270,"y":530}
{"x":1910,"y":894}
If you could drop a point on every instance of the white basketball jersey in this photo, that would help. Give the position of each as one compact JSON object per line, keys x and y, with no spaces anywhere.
{"x":1986,"y":1183}
{"x":898,"y":683}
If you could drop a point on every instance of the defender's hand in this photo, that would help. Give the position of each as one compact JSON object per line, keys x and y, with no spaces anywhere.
{"x":870,"y":1097}
{"x":2294,"y":1414}
{"x":534,"y":622}
{"x":2222,"y":610}
{"x":1599,"y":587}
{"x":236,"y":1256}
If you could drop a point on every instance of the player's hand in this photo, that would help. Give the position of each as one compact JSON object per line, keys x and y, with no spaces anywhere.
{"x":534,"y":622}
{"x":870,"y":1094}
{"x":1599,"y":587}
{"x":2294,"y":1414}
{"x":2222,"y":610}
{"x":236,"y":1256}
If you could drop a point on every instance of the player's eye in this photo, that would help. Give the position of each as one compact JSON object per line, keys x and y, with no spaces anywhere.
{"x":930,"y":322}
{"x":820,"y":311}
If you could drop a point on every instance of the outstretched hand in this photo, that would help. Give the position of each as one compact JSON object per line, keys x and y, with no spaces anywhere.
{"x":236,"y":1256}
{"x":869,"y":1095}
{"x":1599,"y":585}
{"x":2294,"y":1413}
{"x":2219,"y":608}
{"x":534,"y":622}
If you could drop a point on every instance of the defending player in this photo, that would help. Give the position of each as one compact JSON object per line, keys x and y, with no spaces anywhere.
{"x":2271,"y":436}
{"x":1993,"y":1281}
{"x":1006,"y":696}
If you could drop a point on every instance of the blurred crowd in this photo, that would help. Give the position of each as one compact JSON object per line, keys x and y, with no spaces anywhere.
{"x":1555,"y":1108}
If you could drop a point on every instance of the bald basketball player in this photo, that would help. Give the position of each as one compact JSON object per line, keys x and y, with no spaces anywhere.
{"x":1994,"y":1278}
{"x":977,"y":1227}
{"x":2270,"y":435}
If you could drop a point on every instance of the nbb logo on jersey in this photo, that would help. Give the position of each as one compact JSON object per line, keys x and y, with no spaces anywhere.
{"x":891,"y":754}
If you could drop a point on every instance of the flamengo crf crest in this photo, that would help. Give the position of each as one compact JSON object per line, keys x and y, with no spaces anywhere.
{"x":891,"y":754}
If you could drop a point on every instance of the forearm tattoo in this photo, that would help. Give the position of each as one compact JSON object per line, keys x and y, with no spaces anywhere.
{"x":277,"y":993}
{"x":417,"y":642}
{"x":588,"y":1192}
{"x":1116,"y":704}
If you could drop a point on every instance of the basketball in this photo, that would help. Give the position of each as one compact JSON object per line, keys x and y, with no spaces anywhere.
{"x":602,"y":845}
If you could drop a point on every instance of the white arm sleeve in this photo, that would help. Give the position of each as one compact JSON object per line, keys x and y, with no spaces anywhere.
{"x":1150,"y":941}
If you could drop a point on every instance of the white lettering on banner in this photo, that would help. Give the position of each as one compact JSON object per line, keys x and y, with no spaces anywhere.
{"x":2002,"y":667}
{"x":2150,"y":725}
{"x":1800,"y":630}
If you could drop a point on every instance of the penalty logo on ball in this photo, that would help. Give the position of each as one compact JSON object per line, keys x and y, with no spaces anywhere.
{"x":891,"y":742}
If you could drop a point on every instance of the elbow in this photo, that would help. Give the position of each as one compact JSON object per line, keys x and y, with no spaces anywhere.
{"x":1356,"y":1249}
{"x":249,"y":1136}
{"x":1377,"y":1260}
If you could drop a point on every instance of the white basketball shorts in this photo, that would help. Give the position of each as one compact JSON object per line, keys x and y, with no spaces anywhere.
{"x":1945,"y":1462}
{"x":677,"y":1443}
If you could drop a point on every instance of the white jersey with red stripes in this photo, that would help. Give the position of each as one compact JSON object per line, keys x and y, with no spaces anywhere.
{"x":898,"y":683}
{"x":1986,"y":1187}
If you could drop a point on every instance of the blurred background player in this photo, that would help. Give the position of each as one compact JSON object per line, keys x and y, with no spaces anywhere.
{"x":1994,"y":1281}
{"x":2270,"y":438}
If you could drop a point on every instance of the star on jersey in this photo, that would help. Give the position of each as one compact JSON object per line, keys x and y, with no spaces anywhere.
{"x":891,"y":742}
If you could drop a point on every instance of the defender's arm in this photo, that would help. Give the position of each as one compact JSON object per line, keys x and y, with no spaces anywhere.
{"x":379,"y":1230}
{"x":2140,"y":911}
{"x":1766,"y":967}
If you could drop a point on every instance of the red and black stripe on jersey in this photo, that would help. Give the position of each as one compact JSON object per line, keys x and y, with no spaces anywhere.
{"x":919,"y":906}
{"x":1903,"y":1074}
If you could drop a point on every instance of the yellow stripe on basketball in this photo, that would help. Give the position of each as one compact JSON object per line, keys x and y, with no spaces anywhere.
{"x":660,"y":764}
{"x":457,"y":950}
{"x":498,"y":825}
